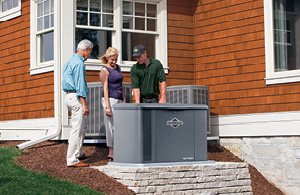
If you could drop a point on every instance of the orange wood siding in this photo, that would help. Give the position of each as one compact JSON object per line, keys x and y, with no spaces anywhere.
{"x":230,"y":59}
{"x":181,"y":42}
{"x":22,"y":96}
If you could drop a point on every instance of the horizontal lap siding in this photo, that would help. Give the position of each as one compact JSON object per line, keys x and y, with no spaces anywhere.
{"x":230,"y":59}
{"x":181,"y":42}
{"x":22,"y":96}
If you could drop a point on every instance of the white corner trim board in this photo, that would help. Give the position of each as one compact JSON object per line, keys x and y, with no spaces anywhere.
{"x":259,"y":124}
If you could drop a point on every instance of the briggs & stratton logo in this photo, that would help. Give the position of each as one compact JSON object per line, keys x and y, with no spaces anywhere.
{"x":174,"y":123}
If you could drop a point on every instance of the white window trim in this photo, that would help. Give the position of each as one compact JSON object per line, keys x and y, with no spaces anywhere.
{"x":35,"y":66}
{"x":11,"y":13}
{"x":273,"y":77}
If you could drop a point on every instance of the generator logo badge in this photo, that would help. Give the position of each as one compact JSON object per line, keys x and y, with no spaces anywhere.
{"x":174,"y":123}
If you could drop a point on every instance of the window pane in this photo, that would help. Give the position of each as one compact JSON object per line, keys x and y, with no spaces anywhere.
{"x":4,"y":6}
{"x":100,"y":39}
{"x":151,"y":24}
{"x":46,"y":22}
{"x":139,"y":9}
{"x":286,"y":35}
{"x":40,"y":9}
{"x":127,"y":22}
{"x":129,"y":40}
{"x":82,"y":5}
{"x":127,"y":8}
{"x":47,"y":7}
{"x":140,"y":23}
{"x":108,"y":6}
{"x":52,"y":6}
{"x":108,"y":20}
{"x":95,"y":19}
{"x":15,"y":3}
{"x":9,"y":4}
{"x":52,"y":20}
{"x":95,"y":5}
{"x":151,"y":10}
{"x":40,"y":24}
{"x":47,"y":45}
{"x":82,"y":18}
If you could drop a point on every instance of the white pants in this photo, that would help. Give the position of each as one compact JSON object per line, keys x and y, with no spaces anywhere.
{"x":109,"y":122}
{"x":79,"y":124}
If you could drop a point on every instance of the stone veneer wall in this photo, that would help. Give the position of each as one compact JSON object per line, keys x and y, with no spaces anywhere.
{"x":277,"y":158}
{"x":206,"y":178}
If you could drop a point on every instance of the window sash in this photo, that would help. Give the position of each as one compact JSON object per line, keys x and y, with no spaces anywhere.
{"x":273,"y":76}
{"x":7,"y":13}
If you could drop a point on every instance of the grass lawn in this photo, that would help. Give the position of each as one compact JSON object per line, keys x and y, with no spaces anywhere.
{"x":16,"y":180}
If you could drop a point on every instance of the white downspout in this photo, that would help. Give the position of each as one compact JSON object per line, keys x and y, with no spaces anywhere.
{"x":57,"y":82}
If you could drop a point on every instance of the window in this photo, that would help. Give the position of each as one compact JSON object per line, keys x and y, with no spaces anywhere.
{"x":42,"y":36}
{"x":10,"y":9}
{"x":282,"y":35}
{"x":122,"y":24}
{"x":139,"y":27}
{"x":94,"y":21}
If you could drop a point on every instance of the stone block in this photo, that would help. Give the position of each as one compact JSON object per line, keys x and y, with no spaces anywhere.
{"x":294,"y":141}
{"x":297,"y":153}
{"x":158,"y":182}
{"x":230,"y":141}
{"x":266,"y":150}
{"x":164,"y":175}
{"x":262,"y":140}
{"x":293,"y":173}
{"x":207,"y":179}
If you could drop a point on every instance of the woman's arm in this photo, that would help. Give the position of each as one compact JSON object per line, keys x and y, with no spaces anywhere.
{"x":104,"y":79}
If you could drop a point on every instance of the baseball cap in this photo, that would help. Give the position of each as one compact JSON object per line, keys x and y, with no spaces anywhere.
{"x":138,"y":50}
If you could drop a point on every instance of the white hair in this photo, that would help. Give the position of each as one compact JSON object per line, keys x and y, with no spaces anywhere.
{"x":83,"y":44}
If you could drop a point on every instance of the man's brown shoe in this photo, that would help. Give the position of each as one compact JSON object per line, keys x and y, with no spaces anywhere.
{"x":80,"y":164}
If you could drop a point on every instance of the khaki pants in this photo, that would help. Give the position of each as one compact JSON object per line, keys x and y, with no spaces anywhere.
{"x":109,"y":122}
{"x":79,"y":124}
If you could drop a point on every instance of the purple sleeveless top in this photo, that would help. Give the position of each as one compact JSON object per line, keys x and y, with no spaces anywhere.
{"x":115,"y":79}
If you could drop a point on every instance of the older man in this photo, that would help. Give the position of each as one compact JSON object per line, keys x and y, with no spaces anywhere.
{"x":148,"y":78}
{"x":74,"y":84}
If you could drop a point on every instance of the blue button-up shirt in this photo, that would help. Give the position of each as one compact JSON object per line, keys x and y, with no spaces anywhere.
{"x":74,"y":76}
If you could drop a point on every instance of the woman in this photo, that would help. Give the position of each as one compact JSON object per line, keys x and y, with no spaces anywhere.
{"x":111,"y":78}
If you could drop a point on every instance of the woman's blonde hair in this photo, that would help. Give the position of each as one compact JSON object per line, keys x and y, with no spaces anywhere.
{"x":111,"y":51}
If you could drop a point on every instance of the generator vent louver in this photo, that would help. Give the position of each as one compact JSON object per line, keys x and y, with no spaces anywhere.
{"x":96,"y":128}
{"x":189,"y":94}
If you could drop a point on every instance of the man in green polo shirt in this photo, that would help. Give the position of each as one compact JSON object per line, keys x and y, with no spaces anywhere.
{"x":148,"y":78}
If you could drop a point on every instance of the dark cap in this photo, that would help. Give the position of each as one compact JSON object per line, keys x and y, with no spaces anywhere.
{"x":138,"y":50}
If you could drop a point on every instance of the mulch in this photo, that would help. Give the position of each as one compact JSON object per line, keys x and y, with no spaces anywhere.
{"x":50,"y":157}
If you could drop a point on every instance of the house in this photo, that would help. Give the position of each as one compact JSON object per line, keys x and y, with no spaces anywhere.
{"x":245,"y":51}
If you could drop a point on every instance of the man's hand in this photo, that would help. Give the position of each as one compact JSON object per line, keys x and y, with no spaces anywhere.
{"x":84,"y":106}
{"x":162,"y":100}
{"x":85,"y":110}
{"x":136,"y":94}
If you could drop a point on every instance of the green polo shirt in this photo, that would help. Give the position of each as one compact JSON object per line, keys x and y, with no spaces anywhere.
{"x":147,"y":78}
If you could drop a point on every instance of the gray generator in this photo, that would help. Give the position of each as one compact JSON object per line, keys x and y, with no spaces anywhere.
{"x":155,"y":133}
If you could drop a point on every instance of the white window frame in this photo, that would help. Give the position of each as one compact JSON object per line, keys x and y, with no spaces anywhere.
{"x":273,"y":77}
{"x":11,"y":13}
{"x":37,"y":67}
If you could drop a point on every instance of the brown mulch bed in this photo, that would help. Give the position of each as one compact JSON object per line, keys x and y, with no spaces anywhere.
{"x":50,"y":157}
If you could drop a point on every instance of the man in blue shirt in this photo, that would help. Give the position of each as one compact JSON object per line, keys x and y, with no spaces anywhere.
{"x":74,"y":84}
